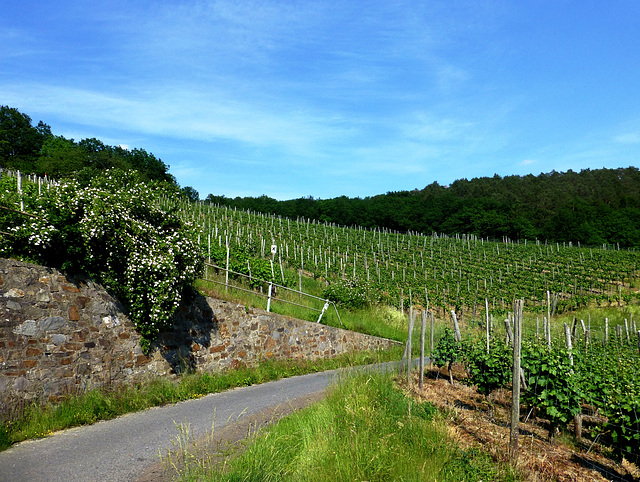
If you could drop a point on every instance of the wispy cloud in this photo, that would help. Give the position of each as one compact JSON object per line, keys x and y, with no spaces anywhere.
{"x":320,"y":97}
{"x":628,"y":138}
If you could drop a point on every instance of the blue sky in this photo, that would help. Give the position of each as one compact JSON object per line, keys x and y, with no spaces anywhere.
{"x":331,"y":98}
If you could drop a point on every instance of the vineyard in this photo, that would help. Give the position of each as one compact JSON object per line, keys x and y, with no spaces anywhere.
{"x":594,"y":378}
{"x":403,"y":269}
{"x":588,"y":366}
{"x":595,"y":382}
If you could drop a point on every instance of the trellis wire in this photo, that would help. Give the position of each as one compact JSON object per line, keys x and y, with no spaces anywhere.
{"x":270,"y":283}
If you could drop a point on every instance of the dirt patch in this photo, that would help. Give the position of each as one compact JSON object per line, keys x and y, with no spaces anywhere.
{"x":538,"y":460}
{"x":230,"y":440}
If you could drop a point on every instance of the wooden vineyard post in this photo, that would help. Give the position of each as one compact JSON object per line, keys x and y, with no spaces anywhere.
{"x":567,"y":335}
{"x":486,"y":308}
{"x":226,"y":278}
{"x":269,"y":297}
{"x":20,"y":191}
{"x":509,"y":331}
{"x":577,"y":419}
{"x":626,"y":330}
{"x":431,"y":335}
{"x":281,"y":270}
{"x":407,"y":349}
{"x":515,"y":399}
{"x":423,"y":327}
{"x":456,"y":328}
{"x":548,"y":332}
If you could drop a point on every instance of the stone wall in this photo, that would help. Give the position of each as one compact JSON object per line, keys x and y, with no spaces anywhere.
{"x":60,"y":336}
{"x":214,"y":335}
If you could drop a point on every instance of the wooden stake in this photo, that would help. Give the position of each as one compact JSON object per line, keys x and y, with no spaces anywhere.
{"x":515,"y":400}
{"x":510,"y":335}
{"x":567,"y":336}
{"x":423,"y":327}
{"x":456,"y":328}
{"x":486,"y":310}
{"x":412,"y":319}
{"x":432,"y":338}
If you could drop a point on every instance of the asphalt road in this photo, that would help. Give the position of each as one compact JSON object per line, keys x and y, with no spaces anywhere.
{"x":120,"y":449}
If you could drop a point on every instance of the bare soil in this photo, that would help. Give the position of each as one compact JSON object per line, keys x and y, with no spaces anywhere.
{"x":470,"y":425}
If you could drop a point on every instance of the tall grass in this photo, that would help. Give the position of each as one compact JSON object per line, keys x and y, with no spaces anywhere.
{"x":366,"y":429}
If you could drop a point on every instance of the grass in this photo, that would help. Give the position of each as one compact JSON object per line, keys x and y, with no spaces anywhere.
{"x":385,"y":322}
{"x":366,"y":429}
{"x":37,"y":421}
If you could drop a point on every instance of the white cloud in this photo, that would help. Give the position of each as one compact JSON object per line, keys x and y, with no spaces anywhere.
{"x":628,"y":138}
{"x":180,"y":113}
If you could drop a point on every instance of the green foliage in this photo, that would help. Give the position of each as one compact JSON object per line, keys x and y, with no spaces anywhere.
{"x":592,"y":207}
{"x":489,"y":371}
{"x":350,"y":293}
{"x":552,"y":383}
{"x":472,"y":464}
{"x":447,"y":351}
{"x":5,"y":436}
{"x":113,"y":231}
{"x":608,"y":378}
{"x":190,"y":194}
{"x":35,"y":150}
{"x":20,"y":142}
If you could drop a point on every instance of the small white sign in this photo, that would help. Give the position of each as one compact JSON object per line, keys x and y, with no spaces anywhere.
{"x":274,"y":249}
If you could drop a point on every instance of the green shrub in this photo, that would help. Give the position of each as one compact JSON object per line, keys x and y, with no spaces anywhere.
{"x":5,"y":437}
{"x":447,"y":351}
{"x":113,"y":231}
{"x":552,"y":384}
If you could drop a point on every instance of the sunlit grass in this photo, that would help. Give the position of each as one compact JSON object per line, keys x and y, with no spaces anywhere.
{"x":366,"y":429}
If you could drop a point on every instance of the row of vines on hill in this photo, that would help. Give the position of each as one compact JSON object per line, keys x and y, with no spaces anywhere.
{"x":392,"y":267}
{"x":589,"y":376}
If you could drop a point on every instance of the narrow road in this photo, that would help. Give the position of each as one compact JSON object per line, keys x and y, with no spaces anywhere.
{"x":121,"y":449}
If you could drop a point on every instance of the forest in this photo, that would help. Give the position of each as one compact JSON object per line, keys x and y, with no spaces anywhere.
{"x":36,"y":150}
{"x":590,"y":207}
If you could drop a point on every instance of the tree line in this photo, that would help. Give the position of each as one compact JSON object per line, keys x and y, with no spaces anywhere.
{"x":34,"y":149}
{"x":591,"y":207}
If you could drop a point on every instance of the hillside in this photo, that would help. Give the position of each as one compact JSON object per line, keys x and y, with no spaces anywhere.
{"x":592,"y":207}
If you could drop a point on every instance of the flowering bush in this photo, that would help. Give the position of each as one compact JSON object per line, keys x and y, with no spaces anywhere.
{"x":114,"y":231}
{"x":350,"y":293}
